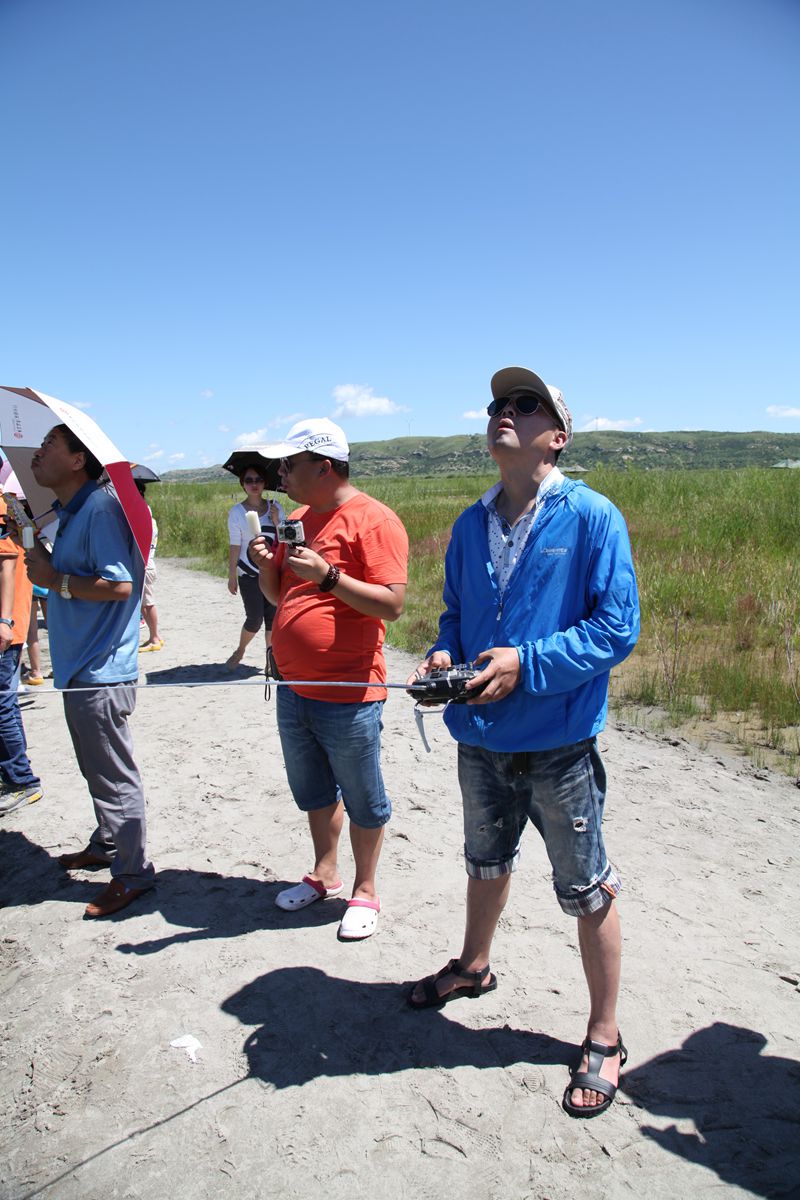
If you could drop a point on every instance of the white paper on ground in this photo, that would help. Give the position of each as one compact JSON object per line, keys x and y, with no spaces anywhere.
{"x":189,"y":1044}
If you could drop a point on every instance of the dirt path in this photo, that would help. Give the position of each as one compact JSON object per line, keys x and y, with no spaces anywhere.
{"x":313,"y":1079}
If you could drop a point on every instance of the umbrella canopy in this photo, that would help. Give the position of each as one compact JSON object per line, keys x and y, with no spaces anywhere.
{"x":145,"y":474}
{"x":9,"y":481}
{"x":253,"y":456}
{"x":26,"y":417}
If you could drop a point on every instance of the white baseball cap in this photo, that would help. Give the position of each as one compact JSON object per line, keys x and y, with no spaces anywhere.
{"x":512,"y":379}
{"x":315,"y":435}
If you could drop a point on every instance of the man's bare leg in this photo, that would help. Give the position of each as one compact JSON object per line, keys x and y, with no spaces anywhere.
{"x":326,"y":827}
{"x":366,"y":845}
{"x":486,"y":899}
{"x":600,"y":941}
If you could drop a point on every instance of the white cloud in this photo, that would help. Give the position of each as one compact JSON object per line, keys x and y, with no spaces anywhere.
{"x":474,"y":414}
{"x":596,"y":423}
{"x":255,"y":438}
{"x":267,"y":433}
{"x":151,"y":457}
{"x":354,"y":400}
{"x":224,"y":428}
{"x":176,"y":457}
{"x":780,"y":410}
{"x":207,"y":394}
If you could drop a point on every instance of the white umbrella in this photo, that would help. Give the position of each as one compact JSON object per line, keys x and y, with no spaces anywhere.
{"x":26,"y":417}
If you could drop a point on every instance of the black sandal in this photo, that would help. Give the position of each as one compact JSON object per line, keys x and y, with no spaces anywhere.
{"x":592,"y":1079}
{"x":434,"y":1000}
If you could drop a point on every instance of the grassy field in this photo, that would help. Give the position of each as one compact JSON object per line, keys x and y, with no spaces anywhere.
{"x":718,"y":561}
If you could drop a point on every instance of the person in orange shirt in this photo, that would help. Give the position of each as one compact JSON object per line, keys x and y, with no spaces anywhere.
{"x":19,"y":784}
{"x":334,"y":592}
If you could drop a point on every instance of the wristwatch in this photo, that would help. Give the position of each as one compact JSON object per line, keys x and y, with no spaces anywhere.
{"x":64,"y":591}
{"x":7,"y":621}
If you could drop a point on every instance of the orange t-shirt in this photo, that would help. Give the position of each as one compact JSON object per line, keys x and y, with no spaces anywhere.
{"x":23,"y":588}
{"x":317,"y":636}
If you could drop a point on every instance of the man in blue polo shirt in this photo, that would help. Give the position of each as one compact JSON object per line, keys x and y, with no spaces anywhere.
{"x":94,"y":576}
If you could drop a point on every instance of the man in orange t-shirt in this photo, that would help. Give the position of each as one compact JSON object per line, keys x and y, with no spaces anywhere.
{"x":334,"y":592}
{"x":18,"y":784}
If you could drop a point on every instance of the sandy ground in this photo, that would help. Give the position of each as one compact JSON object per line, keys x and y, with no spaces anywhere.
{"x":313,"y":1078}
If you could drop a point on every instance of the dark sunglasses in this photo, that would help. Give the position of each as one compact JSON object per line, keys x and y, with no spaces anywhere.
{"x":251,"y":479}
{"x":526,"y":404}
{"x":287,"y":465}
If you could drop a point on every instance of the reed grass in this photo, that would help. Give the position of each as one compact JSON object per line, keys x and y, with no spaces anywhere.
{"x":718,"y":562}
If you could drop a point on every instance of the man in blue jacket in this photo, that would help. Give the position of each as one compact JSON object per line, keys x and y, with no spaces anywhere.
{"x":539,"y":592}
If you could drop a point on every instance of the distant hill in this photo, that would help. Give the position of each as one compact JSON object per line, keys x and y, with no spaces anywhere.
{"x":466,"y":453}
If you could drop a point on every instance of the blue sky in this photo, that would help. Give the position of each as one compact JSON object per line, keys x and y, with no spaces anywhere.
{"x":220,"y":217}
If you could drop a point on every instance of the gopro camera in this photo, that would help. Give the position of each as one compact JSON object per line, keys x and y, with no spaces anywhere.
{"x":446,"y":685}
{"x":292,"y":533}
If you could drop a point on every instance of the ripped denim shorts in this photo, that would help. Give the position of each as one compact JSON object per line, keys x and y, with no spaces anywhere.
{"x":562,"y":793}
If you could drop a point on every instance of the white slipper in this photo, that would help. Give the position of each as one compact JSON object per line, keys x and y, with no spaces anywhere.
{"x":360,"y":920}
{"x":305,"y":893}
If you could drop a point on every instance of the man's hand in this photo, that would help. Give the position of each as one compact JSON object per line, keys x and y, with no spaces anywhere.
{"x":6,"y":637}
{"x":500,"y":675}
{"x":233,"y":585}
{"x":39,"y":567}
{"x":439,"y":658}
{"x":260,"y":555}
{"x":13,"y":530}
{"x":384,"y":601}
{"x":307,"y":564}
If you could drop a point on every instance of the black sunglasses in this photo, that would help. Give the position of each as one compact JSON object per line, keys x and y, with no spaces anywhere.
{"x":525,"y":404}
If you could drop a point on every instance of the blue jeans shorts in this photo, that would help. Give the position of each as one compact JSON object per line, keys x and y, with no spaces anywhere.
{"x":562,"y":793}
{"x":333,"y":751}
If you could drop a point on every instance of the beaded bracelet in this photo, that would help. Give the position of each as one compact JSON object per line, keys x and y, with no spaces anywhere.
{"x":331,"y":579}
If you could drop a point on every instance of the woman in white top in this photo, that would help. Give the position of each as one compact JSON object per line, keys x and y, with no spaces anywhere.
{"x":242,"y":576}
{"x":149,"y":610}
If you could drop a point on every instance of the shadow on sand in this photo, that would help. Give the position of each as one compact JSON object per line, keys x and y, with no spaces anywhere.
{"x":302,"y":1034}
{"x":745,"y":1106}
{"x":200,"y":673}
{"x":299,"y":1039}
{"x":205,"y":903}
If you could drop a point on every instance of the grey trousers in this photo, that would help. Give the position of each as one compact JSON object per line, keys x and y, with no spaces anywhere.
{"x":98,"y":724}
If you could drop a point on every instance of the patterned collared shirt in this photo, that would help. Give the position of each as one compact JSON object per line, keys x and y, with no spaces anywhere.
{"x":506,"y":542}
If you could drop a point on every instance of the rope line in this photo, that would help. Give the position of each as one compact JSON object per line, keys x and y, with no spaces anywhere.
{"x":260,"y":681}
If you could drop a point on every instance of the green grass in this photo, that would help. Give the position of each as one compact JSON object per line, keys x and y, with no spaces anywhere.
{"x":718,"y":562}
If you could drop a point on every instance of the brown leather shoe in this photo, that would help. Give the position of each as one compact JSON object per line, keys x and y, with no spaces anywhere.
{"x":81,"y":859}
{"x":112,"y":899}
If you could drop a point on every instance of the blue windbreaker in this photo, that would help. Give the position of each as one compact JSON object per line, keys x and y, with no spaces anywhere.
{"x":571,"y":609}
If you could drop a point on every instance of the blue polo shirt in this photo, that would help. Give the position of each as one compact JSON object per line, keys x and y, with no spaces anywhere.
{"x":95,"y":641}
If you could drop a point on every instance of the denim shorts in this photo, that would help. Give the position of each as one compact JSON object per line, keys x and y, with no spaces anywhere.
{"x":562,"y":793}
{"x":333,"y":751}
